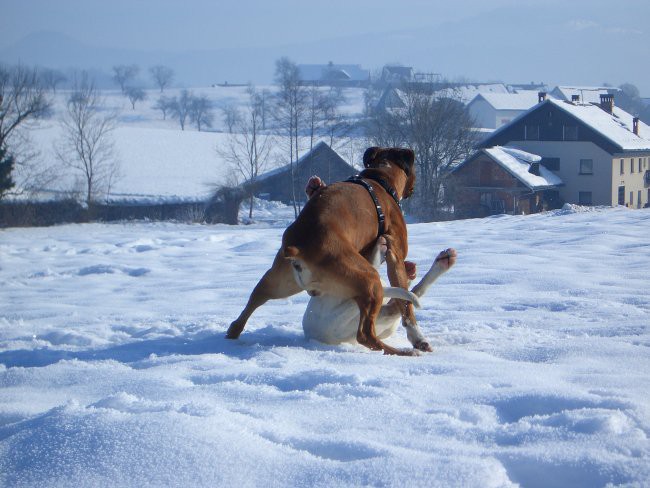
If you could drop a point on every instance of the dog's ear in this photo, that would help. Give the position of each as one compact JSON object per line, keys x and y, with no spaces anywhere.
{"x":406,"y":160}
{"x":370,"y":155}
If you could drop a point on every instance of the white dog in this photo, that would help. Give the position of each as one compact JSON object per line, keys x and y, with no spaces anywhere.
{"x":334,"y":321}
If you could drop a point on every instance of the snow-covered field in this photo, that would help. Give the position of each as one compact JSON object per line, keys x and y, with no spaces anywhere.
{"x":159,"y":161}
{"x":115,"y":370}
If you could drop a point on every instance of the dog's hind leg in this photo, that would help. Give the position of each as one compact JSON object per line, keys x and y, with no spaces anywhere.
{"x":398,"y":277}
{"x":277,"y":282}
{"x":445,"y":260}
{"x":359,"y":280}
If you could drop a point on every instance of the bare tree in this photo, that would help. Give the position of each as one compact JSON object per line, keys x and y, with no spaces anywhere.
{"x":201,"y":112}
{"x":134,"y":95}
{"x":334,"y":123}
{"x":437,"y":126}
{"x":290,"y":107}
{"x":231,"y":117}
{"x":246,"y":150}
{"x":162,"y":75}
{"x":7,"y":163}
{"x":86,"y":145}
{"x":165,"y":105}
{"x":123,"y":74}
{"x":22,"y":102}
{"x":50,"y":78}
{"x":181,"y":107}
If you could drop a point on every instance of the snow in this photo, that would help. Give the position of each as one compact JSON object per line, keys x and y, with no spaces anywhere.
{"x":158,"y":161}
{"x":517,"y":162}
{"x":616,"y":127}
{"x":522,"y":100}
{"x":115,"y":370}
{"x":587,"y":94}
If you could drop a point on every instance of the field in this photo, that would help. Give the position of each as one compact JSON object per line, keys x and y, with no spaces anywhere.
{"x":115,"y":370}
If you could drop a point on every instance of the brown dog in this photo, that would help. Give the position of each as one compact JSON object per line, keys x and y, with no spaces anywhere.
{"x":326,"y":250}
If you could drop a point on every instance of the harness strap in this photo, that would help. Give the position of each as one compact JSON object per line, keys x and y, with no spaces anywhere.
{"x":389,"y":189}
{"x":380,"y":213}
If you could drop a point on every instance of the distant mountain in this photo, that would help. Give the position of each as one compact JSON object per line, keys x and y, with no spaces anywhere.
{"x":520,"y":44}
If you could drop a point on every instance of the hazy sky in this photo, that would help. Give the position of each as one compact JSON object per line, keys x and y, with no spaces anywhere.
{"x":183,"y":24}
{"x":564,"y":41}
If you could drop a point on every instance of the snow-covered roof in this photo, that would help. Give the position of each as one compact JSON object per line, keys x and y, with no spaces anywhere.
{"x":522,"y":100}
{"x":320,"y":147}
{"x":616,"y":127}
{"x":465,"y":93}
{"x":518,"y":163}
{"x":317,"y":72}
{"x":587,"y":94}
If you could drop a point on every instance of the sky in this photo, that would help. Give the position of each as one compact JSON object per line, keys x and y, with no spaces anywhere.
{"x":579,"y":42}
{"x":173,"y":25}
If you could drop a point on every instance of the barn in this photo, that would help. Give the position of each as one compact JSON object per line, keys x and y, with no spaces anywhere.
{"x":322,"y":160}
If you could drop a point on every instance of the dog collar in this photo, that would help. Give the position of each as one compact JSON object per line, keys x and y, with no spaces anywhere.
{"x":381,"y":217}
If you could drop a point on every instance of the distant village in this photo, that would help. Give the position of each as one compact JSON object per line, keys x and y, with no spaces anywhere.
{"x":482,"y":148}
{"x":538,"y":147}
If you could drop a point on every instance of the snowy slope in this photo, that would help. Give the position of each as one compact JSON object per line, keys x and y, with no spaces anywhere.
{"x":116,"y":373}
{"x":158,"y":160}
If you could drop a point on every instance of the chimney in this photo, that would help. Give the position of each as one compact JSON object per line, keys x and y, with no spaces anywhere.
{"x":635,"y":125}
{"x":607,"y":102}
{"x":541,"y":96}
{"x":575,"y":98}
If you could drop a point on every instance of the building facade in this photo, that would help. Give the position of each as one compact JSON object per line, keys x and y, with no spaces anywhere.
{"x":600,"y":152}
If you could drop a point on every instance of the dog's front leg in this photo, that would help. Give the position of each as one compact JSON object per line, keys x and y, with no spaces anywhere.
{"x":398,"y":277}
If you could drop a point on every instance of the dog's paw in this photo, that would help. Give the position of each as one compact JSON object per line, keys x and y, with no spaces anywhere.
{"x":234,"y":331}
{"x":423,"y":346}
{"x":446,"y":259}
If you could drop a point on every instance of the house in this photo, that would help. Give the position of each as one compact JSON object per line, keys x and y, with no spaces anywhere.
{"x":601,"y":153}
{"x":395,"y":98}
{"x":346,"y":75}
{"x":392,"y":98}
{"x":322,"y":160}
{"x":492,"y":110}
{"x":532,"y":86}
{"x":500,"y":179}
{"x":396,"y":75}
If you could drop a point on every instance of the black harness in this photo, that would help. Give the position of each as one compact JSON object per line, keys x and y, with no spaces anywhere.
{"x":381,"y":217}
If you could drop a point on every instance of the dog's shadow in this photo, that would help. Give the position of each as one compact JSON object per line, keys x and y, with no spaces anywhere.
{"x":246,"y":347}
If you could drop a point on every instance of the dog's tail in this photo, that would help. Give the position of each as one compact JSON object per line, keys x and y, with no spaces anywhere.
{"x":402,"y":294}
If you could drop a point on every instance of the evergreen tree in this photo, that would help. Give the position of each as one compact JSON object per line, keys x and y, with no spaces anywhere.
{"x":6,"y":167}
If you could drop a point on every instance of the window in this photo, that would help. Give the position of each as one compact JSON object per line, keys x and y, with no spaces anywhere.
{"x":584,"y":198}
{"x":551,"y":163}
{"x":622,"y":166}
{"x":531,"y":132}
{"x":586,"y":166}
{"x":640,"y":165}
{"x":632,"y":165}
{"x":570,"y":132}
{"x":638,"y":199}
{"x":621,"y":195}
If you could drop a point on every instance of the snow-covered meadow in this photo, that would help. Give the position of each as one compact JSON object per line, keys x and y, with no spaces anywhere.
{"x":157,"y":160}
{"x":115,"y":370}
